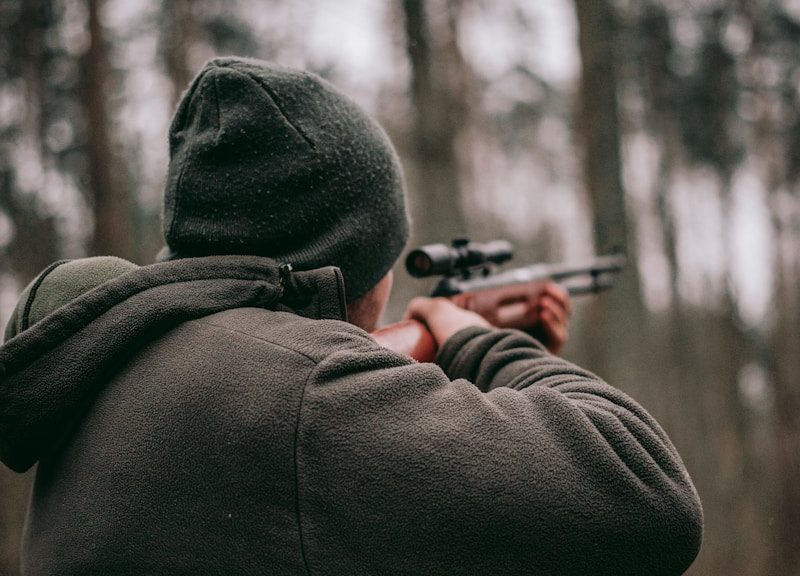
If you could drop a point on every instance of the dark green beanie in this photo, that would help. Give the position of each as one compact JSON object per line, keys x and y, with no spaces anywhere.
{"x":276,"y":162}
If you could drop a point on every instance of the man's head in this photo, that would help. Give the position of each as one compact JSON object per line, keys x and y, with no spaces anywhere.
{"x":277,"y":162}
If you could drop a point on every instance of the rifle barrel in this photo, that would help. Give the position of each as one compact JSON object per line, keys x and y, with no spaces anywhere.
{"x":598,"y":271}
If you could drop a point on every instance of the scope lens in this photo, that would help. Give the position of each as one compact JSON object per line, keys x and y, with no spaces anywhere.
{"x":419,"y":264}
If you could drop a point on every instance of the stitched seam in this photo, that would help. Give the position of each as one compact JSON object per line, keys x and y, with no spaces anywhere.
{"x":25,"y":323}
{"x":171,"y":229}
{"x":188,"y":97}
{"x":216,"y":101}
{"x":257,"y":338}
{"x":303,"y":553}
{"x":127,"y":295}
{"x":274,"y":97}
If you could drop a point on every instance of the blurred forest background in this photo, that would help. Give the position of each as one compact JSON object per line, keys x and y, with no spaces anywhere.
{"x":666,"y":128}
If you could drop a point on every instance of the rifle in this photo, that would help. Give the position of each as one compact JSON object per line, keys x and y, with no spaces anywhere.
{"x":470,"y":280}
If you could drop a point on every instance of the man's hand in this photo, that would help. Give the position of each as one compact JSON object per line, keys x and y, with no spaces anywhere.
{"x":550,"y":312}
{"x":442,"y":317}
{"x":542,"y":310}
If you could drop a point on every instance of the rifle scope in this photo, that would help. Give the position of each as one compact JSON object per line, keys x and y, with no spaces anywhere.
{"x":460,"y":258}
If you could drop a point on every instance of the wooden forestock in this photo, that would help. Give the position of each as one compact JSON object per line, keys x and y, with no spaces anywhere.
{"x":410,"y":338}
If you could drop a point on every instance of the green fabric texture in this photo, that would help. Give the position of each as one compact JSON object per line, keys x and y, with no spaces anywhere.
{"x":60,"y":283}
{"x":270,"y":161}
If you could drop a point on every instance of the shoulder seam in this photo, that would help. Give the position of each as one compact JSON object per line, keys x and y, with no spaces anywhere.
{"x":303,"y":552}
{"x":258,"y":338}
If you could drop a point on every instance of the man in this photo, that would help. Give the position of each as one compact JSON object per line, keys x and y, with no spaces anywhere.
{"x":215,"y":413}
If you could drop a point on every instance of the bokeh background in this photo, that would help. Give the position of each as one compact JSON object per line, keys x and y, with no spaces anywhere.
{"x":665,"y":128}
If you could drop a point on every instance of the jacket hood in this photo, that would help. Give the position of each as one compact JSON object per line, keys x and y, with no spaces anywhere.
{"x":60,"y":283}
{"x":80,"y":321}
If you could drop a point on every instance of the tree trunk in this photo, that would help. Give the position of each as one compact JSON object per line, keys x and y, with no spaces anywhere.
{"x":113,"y":233}
{"x":180,"y":33}
{"x":618,"y":316}
{"x":786,"y":367}
{"x":776,"y":144}
{"x":35,"y":241}
{"x":438,"y":77}
{"x":33,"y":246}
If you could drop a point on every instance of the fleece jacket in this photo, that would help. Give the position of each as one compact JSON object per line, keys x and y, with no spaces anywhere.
{"x":218,"y":415}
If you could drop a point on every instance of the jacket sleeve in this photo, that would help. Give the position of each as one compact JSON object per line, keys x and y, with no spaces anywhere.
{"x":503,"y":459}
